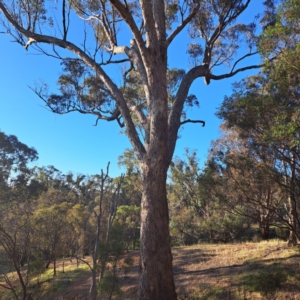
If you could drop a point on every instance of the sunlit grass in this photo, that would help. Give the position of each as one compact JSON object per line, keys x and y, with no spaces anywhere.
{"x":44,"y":283}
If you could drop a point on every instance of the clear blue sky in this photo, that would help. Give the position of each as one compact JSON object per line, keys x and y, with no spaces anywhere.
{"x":71,"y":142}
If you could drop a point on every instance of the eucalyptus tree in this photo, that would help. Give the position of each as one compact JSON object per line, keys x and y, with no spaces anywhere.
{"x":250,"y":183}
{"x":14,"y":171}
{"x":15,"y":210}
{"x":16,"y":249}
{"x":51,"y":228}
{"x":265,"y":110}
{"x":150,"y":101}
{"x":185,"y":204}
{"x":201,"y":202}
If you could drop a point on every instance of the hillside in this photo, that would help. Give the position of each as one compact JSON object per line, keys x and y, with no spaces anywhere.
{"x":236,"y":271}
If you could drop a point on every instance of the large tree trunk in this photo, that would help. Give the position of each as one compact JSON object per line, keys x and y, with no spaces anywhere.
{"x":265,"y":231}
{"x":156,"y":273}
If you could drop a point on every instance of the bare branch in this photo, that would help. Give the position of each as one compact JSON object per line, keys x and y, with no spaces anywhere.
{"x":182,"y":25}
{"x":149,"y":22}
{"x":65,"y":30}
{"x":240,"y":59}
{"x":143,"y":121}
{"x":224,"y":19}
{"x":159,"y":22}
{"x":231,"y":74}
{"x":84,"y":261}
{"x":193,"y":121}
{"x":120,"y":61}
{"x":176,"y":110}
{"x":135,"y":58}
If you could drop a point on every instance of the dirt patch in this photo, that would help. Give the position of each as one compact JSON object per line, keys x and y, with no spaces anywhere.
{"x":79,"y":286}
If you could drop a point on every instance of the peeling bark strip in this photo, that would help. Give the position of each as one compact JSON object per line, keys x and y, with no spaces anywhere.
{"x":150,"y":119}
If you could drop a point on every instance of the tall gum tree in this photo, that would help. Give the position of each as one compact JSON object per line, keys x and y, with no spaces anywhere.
{"x":151,"y":100}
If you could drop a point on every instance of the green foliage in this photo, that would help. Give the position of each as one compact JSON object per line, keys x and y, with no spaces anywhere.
{"x":128,"y":216}
{"x":127,"y":264}
{"x":262,"y":114}
{"x":14,"y":155}
{"x":282,"y":233}
{"x":199,"y":203}
{"x":267,"y":283}
{"x":77,"y":82}
{"x":110,"y":254}
{"x":116,"y":241}
{"x":36,"y":268}
{"x":109,"y":285}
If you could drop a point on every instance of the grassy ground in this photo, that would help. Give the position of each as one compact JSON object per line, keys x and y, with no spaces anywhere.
{"x":265,"y":270}
{"x":241,"y":271}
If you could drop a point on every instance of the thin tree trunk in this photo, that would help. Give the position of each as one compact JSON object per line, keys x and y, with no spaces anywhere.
{"x":54,"y":264}
{"x":93,"y":288}
{"x":156,"y":273}
{"x":265,"y":231}
{"x":113,"y":210}
{"x":292,"y":204}
{"x":48,"y":263}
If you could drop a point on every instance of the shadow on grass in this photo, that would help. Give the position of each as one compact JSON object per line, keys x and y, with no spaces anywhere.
{"x":267,"y":277}
{"x":189,"y":257}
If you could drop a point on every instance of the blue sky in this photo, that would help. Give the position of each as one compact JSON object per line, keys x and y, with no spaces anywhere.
{"x":71,"y":142}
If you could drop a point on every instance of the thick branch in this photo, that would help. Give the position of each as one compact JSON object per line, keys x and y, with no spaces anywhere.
{"x":159,"y":21}
{"x":175,"y":113}
{"x":127,"y":16}
{"x":149,"y":22}
{"x":113,"y":89}
{"x":143,"y":120}
{"x":135,"y":57}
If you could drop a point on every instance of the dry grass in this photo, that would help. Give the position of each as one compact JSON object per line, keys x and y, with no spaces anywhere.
{"x":206,"y":271}
{"x":229,"y":271}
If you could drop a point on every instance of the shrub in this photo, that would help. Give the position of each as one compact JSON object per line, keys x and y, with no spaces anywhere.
{"x":269,"y":283}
